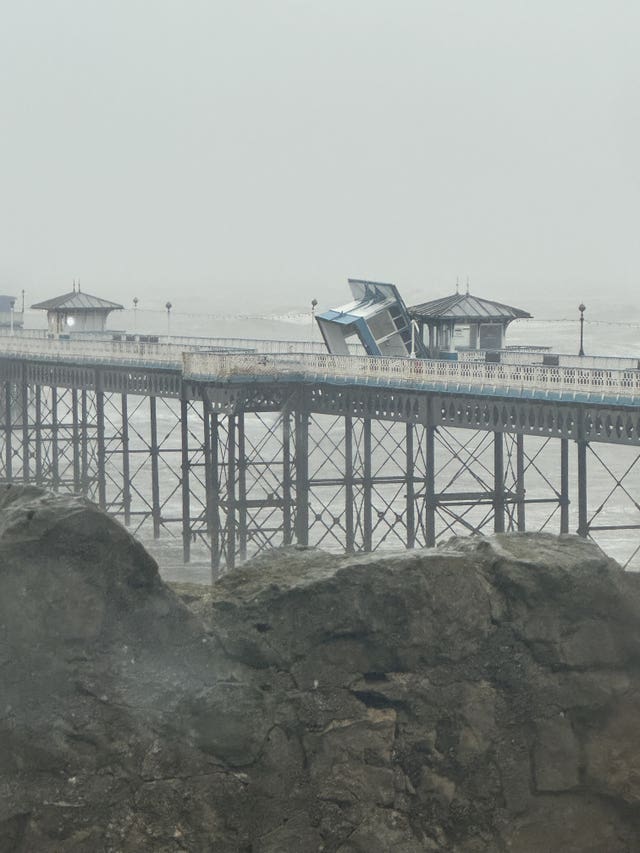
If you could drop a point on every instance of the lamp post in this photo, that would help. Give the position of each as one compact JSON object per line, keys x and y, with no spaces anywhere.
{"x":314,"y":302}
{"x":12,"y":305}
{"x":135,"y":313}
{"x":168,"y":306}
{"x":581,"y":308}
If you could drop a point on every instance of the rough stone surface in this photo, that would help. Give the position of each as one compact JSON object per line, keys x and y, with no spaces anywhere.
{"x":483,"y":696}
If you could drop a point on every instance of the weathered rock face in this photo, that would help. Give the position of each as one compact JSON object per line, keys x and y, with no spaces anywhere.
{"x":484,"y":696}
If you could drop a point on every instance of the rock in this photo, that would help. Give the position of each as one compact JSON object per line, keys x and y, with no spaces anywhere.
{"x":477,"y":697}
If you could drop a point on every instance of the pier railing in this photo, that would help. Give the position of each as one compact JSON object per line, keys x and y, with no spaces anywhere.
{"x":511,"y":379}
{"x":204,"y":360}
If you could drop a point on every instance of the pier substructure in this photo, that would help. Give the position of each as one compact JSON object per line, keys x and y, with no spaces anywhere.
{"x":220,"y":471}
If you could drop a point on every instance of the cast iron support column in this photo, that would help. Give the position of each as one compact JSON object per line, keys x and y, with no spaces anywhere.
{"x":26,"y":474}
{"x":520,"y":490}
{"x":564,"y":485}
{"x":367,"y":487}
{"x":348,"y":485}
{"x":213,"y":490}
{"x":430,"y":486}
{"x":102,"y":480}
{"x":8,"y":450}
{"x":231,"y":494}
{"x":186,"y":493}
{"x":55,"y":427}
{"x":498,"y":483}
{"x":583,"y":520}
{"x":287,"y":536}
{"x":84,"y":443}
{"x":242,"y":490}
{"x":155,"y":476}
{"x":126,"y":461}
{"x":77,"y":477}
{"x":38,"y":434}
{"x":410,"y":497}
{"x":302,"y":476}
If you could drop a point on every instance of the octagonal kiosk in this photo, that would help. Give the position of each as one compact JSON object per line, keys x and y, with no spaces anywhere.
{"x":77,"y":313}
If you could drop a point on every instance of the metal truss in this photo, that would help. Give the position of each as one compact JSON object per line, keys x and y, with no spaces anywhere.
{"x":217,"y":472}
{"x":611,"y":511}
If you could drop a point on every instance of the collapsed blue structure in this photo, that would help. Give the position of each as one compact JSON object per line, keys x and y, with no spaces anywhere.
{"x":377,"y":317}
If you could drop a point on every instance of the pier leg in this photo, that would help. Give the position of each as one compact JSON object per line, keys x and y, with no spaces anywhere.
{"x":564,"y":485}
{"x":348,"y":485}
{"x":498,"y":482}
{"x":367,"y":487}
{"x":55,"y":428}
{"x":77,"y":476}
{"x":242,"y":490}
{"x":302,"y":477}
{"x":102,"y":480}
{"x":8,"y":449}
{"x":287,"y":484}
{"x":185,"y":486}
{"x":213,"y":499}
{"x":520,"y":490}
{"x":26,"y":450}
{"x":155,"y":477}
{"x":84,"y":443}
{"x":38,"y":434}
{"x":126,"y":461}
{"x":430,"y":486}
{"x":583,"y":520}
{"x":231,"y":494}
{"x":410,"y":494}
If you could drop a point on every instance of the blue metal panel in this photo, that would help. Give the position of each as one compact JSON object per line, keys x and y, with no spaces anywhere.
{"x":368,"y":341}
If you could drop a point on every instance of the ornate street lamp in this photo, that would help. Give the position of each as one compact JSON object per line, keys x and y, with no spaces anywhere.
{"x":168,"y":306}
{"x":581,"y":308}
{"x":12,"y":304}
{"x":135,"y":313}
{"x":314,"y":302}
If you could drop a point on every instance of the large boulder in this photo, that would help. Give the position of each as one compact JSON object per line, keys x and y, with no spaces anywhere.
{"x":481,"y":696}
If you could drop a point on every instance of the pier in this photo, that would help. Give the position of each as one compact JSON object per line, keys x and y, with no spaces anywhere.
{"x":232,"y":452}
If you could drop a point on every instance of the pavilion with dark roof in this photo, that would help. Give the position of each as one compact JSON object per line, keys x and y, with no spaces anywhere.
{"x":77,"y":312}
{"x":463,"y":322}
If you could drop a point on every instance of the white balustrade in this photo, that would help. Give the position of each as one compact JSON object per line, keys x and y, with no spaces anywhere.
{"x":447,"y":375}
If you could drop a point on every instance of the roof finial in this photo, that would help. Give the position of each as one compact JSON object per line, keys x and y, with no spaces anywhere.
{"x":467,"y":285}
{"x":457,"y":284}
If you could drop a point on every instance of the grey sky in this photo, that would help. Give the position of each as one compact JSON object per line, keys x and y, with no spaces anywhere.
{"x":239,"y":155}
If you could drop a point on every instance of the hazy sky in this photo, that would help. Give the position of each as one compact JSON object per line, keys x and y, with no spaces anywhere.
{"x":240,"y":155}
